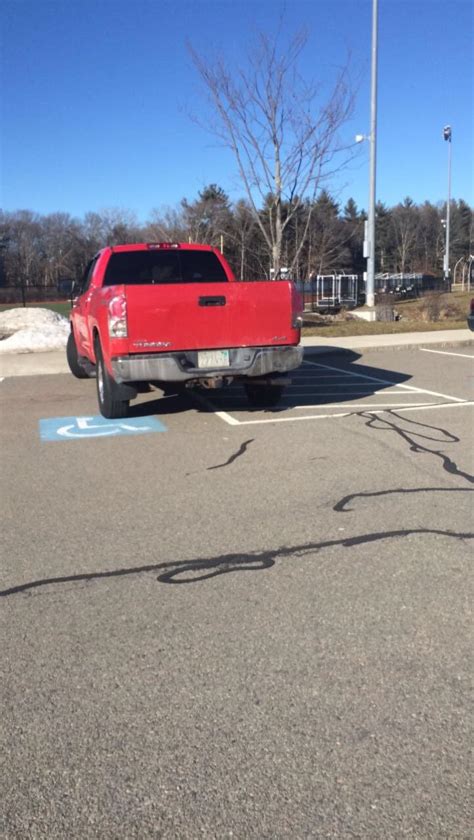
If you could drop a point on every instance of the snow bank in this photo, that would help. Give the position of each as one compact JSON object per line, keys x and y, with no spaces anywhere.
{"x":28,"y":330}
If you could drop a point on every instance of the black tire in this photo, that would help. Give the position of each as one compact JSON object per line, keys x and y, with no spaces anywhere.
{"x":264,"y":396}
{"x":109,"y":406}
{"x":71,"y":354}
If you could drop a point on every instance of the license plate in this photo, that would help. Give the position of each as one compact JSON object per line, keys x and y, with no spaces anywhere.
{"x":213,"y":358}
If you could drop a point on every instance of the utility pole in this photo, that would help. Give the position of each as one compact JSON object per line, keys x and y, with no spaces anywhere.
{"x":447,"y":134}
{"x":370,"y":289}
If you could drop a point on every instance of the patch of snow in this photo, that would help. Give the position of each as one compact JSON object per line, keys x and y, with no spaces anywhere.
{"x":27,"y":330}
{"x":28,"y":318}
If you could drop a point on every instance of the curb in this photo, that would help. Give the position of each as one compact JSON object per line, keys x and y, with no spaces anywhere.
{"x":33,"y":364}
{"x":54,"y":362}
{"x":372,"y":348}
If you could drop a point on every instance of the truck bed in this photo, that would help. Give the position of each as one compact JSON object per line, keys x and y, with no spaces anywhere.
{"x":209,"y":316}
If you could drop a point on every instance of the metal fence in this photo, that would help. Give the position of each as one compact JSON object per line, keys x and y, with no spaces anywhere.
{"x":323,"y":293}
{"x":332,"y":292}
{"x":409,"y":285}
{"x":329,"y":293}
{"x":22,"y":295}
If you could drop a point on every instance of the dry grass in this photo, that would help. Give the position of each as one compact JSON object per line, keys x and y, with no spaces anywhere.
{"x":432,"y":312}
{"x":63,"y":308}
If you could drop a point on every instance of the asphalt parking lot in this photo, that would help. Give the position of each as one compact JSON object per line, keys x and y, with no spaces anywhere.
{"x":231,"y":622}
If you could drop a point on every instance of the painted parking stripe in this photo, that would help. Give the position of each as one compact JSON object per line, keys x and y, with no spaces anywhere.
{"x":240,"y":399}
{"x":360,"y":409}
{"x":316,"y":374}
{"x":352,"y":388}
{"x":305,"y":383}
{"x":207,"y":404}
{"x":81,"y":428}
{"x":361,"y":406}
{"x":394,"y":384}
{"x":351,"y":373}
{"x":445,"y":353}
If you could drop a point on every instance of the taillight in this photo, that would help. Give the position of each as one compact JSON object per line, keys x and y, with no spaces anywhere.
{"x":155,"y":246}
{"x":297,"y":307}
{"x":472,"y":306}
{"x":118,"y":317}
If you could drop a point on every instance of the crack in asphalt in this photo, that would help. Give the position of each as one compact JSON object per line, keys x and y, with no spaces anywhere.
{"x":340,"y":506}
{"x":243,"y":448}
{"x":223,"y":564}
{"x":385,"y":424}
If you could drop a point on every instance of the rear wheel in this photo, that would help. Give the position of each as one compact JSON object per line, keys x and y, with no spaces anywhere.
{"x":109,"y":405}
{"x":72,"y":359}
{"x":265,"y":396}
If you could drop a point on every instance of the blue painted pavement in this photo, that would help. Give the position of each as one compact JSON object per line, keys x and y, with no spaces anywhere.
{"x":80,"y":428}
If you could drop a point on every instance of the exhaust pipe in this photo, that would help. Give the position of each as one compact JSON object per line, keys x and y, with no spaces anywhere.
{"x":212,"y":384}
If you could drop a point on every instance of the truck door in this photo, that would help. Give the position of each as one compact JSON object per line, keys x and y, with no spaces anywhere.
{"x":81,"y":311}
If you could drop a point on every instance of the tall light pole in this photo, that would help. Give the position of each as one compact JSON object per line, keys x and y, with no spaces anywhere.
{"x":370,"y":289}
{"x":447,"y":134}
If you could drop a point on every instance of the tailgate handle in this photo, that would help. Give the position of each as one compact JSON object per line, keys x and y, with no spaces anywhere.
{"x":212,"y":300}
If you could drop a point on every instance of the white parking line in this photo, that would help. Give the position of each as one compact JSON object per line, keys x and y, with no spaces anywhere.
{"x":351,"y":373}
{"x":422,"y":407}
{"x":289,"y":396}
{"x":439,"y":405}
{"x":361,"y":406}
{"x":222,"y":414}
{"x":350,"y":390}
{"x":431,"y":393}
{"x":394,"y":384}
{"x":310,"y":374}
{"x":397,"y":389}
{"x":445,"y":353}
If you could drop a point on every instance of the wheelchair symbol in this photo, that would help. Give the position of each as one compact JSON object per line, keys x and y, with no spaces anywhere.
{"x":81,"y":428}
{"x":85,"y":428}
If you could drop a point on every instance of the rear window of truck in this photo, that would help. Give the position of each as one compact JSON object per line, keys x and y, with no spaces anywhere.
{"x":156,"y":267}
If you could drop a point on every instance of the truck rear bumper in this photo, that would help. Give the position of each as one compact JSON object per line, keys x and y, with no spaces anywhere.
{"x":182,"y":366}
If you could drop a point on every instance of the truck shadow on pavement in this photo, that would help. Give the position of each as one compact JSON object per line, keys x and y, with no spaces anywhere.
{"x":323,"y":379}
{"x":337,"y":377}
{"x":158,"y":405}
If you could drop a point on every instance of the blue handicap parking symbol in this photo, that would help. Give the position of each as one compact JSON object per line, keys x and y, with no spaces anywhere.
{"x":80,"y":428}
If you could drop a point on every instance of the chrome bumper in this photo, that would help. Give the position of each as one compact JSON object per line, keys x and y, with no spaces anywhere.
{"x":182,"y":366}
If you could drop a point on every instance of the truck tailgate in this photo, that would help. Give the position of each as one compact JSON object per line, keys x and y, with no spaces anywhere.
{"x":190,"y":316}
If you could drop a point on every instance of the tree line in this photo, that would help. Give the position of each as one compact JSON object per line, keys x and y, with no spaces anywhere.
{"x":286,"y":135}
{"x":42,"y":250}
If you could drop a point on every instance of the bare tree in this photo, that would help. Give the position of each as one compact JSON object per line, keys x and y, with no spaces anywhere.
{"x":62,"y":247}
{"x":166,"y":224}
{"x":284,"y":135}
{"x":405,"y":221}
{"x":243,"y":228}
{"x":111,"y":226}
{"x":208,"y":217}
{"x":21,"y":231}
{"x":428,"y":248}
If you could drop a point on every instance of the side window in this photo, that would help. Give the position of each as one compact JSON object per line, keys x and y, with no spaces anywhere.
{"x":142,"y":268}
{"x":87,"y":276}
{"x":201,"y":266}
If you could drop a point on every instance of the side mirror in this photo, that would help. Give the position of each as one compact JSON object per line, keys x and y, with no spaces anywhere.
{"x":65,"y":286}
{"x":76,"y":289}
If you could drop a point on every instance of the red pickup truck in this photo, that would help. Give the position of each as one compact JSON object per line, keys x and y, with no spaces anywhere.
{"x":171,"y":314}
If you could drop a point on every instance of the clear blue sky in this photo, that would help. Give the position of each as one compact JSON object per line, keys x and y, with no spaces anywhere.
{"x":97,"y":96}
